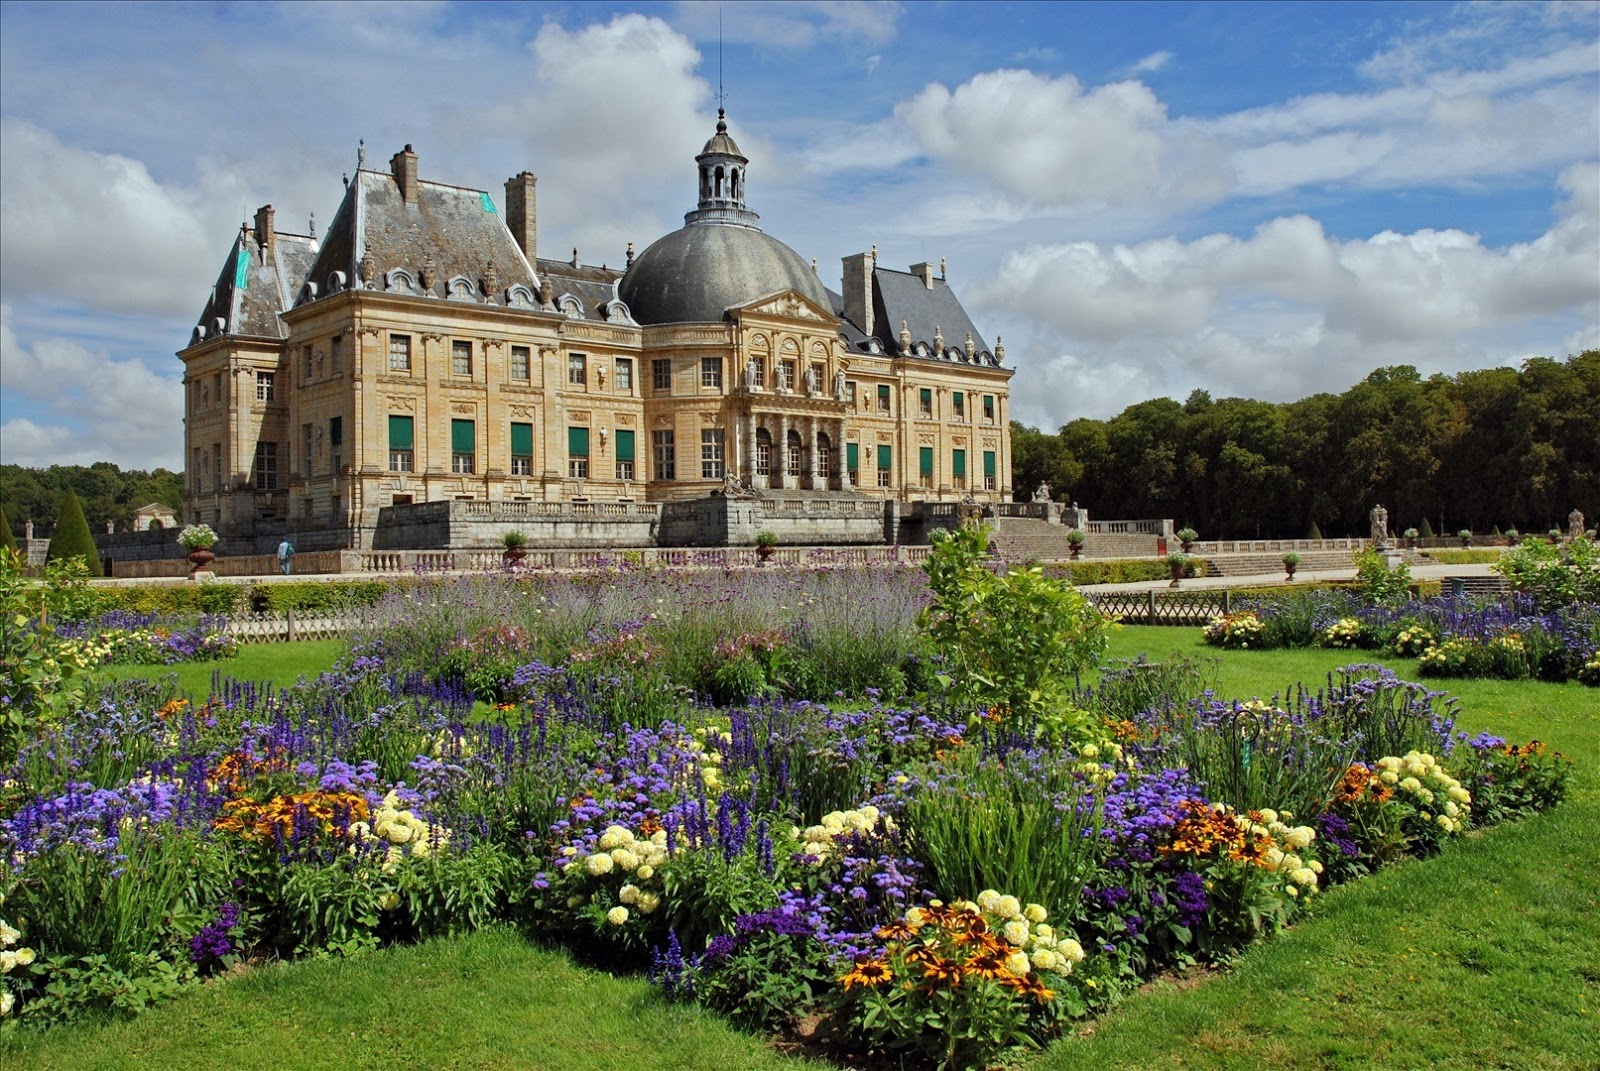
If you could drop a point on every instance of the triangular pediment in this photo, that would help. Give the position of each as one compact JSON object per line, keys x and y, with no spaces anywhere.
{"x":789,"y":304}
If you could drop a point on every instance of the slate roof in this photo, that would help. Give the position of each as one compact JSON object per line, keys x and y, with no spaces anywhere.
{"x":592,"y":286}
{"x":248,"y":303}
{"x":901,"y":296}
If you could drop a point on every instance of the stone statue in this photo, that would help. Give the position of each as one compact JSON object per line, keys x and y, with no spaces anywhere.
{"x":1380,"y":526}
{"x":838,"y":385}
{"x":27,"y":530}
{"x":812,"y":384}
{"x":1575,"y":527}
{"x":1042,"y":493}
{"x":905,"y":338}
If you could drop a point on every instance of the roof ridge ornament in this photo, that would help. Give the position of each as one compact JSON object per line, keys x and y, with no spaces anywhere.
{"x":938,"y":341}
{"x":905,"y":339}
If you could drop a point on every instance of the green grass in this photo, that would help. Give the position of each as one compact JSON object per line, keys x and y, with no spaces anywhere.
{"x":1487,"y":956}
{"x":280,"y":663}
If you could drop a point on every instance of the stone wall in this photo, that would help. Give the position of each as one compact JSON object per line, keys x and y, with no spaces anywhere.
{"x":797,"y":520}
{"x":480,"y":525}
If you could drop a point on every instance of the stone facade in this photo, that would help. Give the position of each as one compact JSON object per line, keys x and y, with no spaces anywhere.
{"x":423,"y":353}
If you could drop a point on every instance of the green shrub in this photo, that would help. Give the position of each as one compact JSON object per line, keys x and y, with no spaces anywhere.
{"x":1554,"y":576}
{"x":1463,"y":557}
{"x":7,"y":540}
{"x":71,"y":539}
{"x":1119,"y":570}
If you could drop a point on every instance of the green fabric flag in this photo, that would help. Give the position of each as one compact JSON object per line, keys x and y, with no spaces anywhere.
{"x":852,"y":457}
{"x":241,"y":269}
{"x":925,"y":460}
{"x":488,"y":205}
{"x":401,"y":432}
{"x":624,"y":446}
{"x":958,"y":462}
{"x":463,"y":437}
{"x":577,"y":442}
{"x":988,"y":462}
{"x":522,"y":440}
{"x":885,"y":457}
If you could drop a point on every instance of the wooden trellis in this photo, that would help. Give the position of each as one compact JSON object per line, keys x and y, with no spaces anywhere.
{"x":1153,"y":607}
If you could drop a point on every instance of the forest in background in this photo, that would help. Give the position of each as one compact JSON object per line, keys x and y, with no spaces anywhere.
{"x":1500,"y":447}
{"x":107,"y":494}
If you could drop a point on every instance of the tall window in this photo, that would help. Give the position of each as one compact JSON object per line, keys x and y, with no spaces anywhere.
{"x":460,"y":357}
{"x":306,"y":448}
{"x":711,"y":454}
{"x":305,"y":364}
{"x":521,"y":361}
{"x":401,"y":443}
{"x":786,"y":375}
{"x":824,"y":455}
{"x":624,"y":454}
{"x":958,"y":469}
{"x":216,"y":466}
{"x":336,"y":353}
{"x":661,"y":375}
{"x":625,"y":375}
{"x":217,"y":399}
{"x":758,"y":371}
{"x":885,"y":464}
{"x":852,"y":396}
{"x":988,"y":470}
{"x":463,"y":446}
{"x":925,"y":466}
{"x":521,"y":449}
{"x":817,"y":379}
{"x":958,"y":405}
{"x":763,"y":452}
{"x":926,"y":402}
{"x":711,"y":371}
{"x":794,"y":452}
{"x":577,"y":370}
{"x":336,"y":431}
{"x":266,"y":466}
{"x":883,"y":398}
{"x":264,"y":386}
{"x":197,"y":469}
{"x":666,"y":451}
{"x":399,"y":353}
{"x":578,"y":453}
{"x":852,"y":462}
{"x":988,"y":408}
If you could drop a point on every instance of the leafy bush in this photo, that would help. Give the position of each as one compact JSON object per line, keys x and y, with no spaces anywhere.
{"x":71,"y":538}
{"x":1553,"y":575}
{"x":1379,"y":584}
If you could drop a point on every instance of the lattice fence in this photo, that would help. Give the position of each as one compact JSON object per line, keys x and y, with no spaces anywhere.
{"x":1163,"y":607}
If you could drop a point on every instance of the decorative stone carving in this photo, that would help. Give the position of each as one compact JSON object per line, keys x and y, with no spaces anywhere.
{"x":1042,"y":492}
{"x":999,"y":349}
{"x":1575,"y":528}
{"x":463,"y":409}
{"x":905,"y":339}
{"x":1379,"y":518}
{"x":938,"y":341}
{"x":971,"y":347}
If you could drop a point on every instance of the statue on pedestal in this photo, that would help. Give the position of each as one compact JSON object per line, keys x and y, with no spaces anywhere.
{"x":1380,"y":527}
{"x":1575,"y":528}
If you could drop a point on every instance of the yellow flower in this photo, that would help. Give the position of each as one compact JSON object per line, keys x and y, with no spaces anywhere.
{"x":598,"y":864}
{"x":617,"y":916}
{"x":1036,"y":914}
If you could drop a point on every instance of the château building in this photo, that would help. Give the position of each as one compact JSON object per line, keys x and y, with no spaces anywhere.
{"x":422,"y":352}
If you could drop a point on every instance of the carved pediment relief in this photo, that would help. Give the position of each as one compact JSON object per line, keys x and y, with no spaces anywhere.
{"x":789,"y":304}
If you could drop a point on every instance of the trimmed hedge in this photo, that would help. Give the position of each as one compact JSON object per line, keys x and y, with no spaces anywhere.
{"x":71,"y":539}
{"x":310,"y":596}
{"x":1463,"y":557}
{"x":1121,"y":570}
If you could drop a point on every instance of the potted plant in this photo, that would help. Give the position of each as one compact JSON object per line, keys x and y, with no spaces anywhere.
{"x":1176,"y":565}
{"x":1513,"y":537}
{"x":1290,"y":561}
{"x":516,"y":548}
{"x":1465,"y":535}
{"x":1555,"y":535}
{"x":1411,"y":538}
{"x":198,"y":539}
{"x":1075,"y":542}
{"x":766,"y":545}
{"x":1187,"y":536}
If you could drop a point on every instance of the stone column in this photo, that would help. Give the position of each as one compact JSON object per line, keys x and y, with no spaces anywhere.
{"x":812,"y":471}
{"x":841,"y":459}
{"x":780,"y":448}
{"x":748,"y":460}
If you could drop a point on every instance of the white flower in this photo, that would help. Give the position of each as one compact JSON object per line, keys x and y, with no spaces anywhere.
{"x":1035,"y":913}
{"x":987,"y":900}
{"x":628,"y":894}
{"x":1016,"y":932}
{"x":617,"y":916}
{"x":1009,"y":907}
{"x":645,"y":872}
{"x":1300,"y":837}
{"x":1304,"y":877}
{"x":625,"y":858}
{"x":1044,"y":959}
{"x":598,"y":864}
{"x":1017,"y":963}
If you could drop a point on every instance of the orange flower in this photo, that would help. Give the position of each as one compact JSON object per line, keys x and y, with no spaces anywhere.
{"x":867,"y":972}
{"x":987,"y":964}
{"x":942,"y":971}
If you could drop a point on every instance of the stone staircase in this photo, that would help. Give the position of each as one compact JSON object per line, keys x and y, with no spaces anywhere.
{"x":1028,"y":539}
{"x":1311,"y":561}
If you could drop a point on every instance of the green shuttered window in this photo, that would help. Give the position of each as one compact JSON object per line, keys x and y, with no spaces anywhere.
{"x":578,"y":442}
{"x":401,"y":434}
{"x":522,"y":440}
{"x":885,"y":457}
{"x":463,"y":437}
{"x":925,"y":461}
{"x":988,"y":462}
{"x":852,"y":457}
{"x":958,"y":462}
{"x":624,"y":446}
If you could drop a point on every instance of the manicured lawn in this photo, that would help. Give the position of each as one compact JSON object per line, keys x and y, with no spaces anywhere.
{"x":1487,"y":956}
{"x":280,"y":663}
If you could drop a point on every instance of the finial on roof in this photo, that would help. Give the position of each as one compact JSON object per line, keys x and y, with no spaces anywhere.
{"x":972,"y":347}
{"x":630,"y":254}
{"x":905,"y":338}
{"x":999,"y":349}
{"x":813,"y":265}
{"x":874,"y":253}
{"x":574,"y":256}
{"x":941,"y":267}
{"x":938,"y":340}
{"x":722,"y":121}
{"x":311,"y":226}
{"x":361,"y":153}
{"x":345,"y":178}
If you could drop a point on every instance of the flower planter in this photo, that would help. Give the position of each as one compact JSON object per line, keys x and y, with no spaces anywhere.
{"x":1177,"y":573}
{"x":512,"y":557}
{"x":200,"y":559}
{"x":1289,"y":569}
{"x":764,"y":554}
{"x":1076,"y":549}
{"x":1187,"y":545}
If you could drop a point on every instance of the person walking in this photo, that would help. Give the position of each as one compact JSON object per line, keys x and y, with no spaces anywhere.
{"x":285,"y":555}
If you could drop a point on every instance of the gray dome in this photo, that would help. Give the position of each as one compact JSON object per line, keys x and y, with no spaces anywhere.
{"x":694,"y":274}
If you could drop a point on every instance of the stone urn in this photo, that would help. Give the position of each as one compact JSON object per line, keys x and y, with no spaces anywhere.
{"x":1076,"y":549}
{"x":1176,"y":564}
{"x":765,"y":552}
{"x":513,"y":557}
{"x":200,"y":558}
{"x":1288,"y":569}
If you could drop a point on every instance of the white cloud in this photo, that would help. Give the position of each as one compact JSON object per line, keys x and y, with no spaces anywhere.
{"x":98,"y":407}
{"x":797,"y":24}
{"x":1155,"y":61}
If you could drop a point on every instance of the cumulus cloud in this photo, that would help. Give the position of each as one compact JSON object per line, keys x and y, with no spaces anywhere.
{"x":1290,"y":310}
{"x":85,"y":405}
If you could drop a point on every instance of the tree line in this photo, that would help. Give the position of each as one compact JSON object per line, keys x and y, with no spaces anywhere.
{"x":1496,"y":448}
{"x":106,"y":491}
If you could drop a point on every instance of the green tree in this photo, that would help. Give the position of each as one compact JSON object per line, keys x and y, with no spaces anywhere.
{"x":71,"y":539}
{"x":7,"y":540}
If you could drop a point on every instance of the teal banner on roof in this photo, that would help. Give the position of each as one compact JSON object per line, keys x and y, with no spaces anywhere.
{"x":241,"y":270}
{"x":488,"y":205}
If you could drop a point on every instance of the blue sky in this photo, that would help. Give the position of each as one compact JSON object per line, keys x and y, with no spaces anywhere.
{"x":1265,"y":200}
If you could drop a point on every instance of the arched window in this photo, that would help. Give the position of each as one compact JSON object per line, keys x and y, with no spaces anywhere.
{"x":719,"y":181}
{"x":796,"y":447}
{"x":733,"y":185}
{"x":763,"y":452}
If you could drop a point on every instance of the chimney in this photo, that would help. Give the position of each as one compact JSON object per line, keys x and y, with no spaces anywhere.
{"x":924,"y":271}
{"x":857,"y":289}
{"x":522,"y":212}
{"x":266,"y":237}
{"x":403,"y":165}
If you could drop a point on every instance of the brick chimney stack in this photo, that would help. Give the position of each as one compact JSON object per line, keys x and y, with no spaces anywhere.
{"x":522,"y":212}
{"x":403,"y":165}
{"x":266,"y":236}
{"x":857,"y":289}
